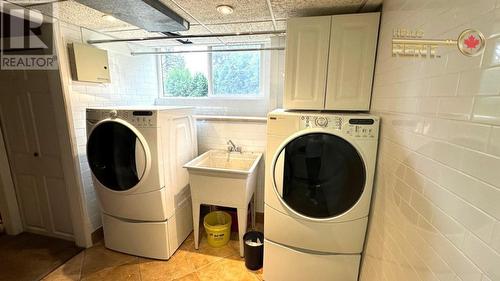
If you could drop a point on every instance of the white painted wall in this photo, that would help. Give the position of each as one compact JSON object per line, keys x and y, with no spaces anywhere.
{"x":436,"y":210}
{"x":133,"y":82}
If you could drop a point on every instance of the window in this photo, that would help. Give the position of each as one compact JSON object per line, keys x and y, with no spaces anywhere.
{"x":196,"y":72}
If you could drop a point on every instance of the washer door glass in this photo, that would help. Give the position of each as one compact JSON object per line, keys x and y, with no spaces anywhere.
{"x":319,"y":175}
{"x":116,"y":156}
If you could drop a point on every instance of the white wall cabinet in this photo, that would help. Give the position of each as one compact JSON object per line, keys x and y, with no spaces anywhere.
{"x":330,"y":62}
{"x":306,"y":62}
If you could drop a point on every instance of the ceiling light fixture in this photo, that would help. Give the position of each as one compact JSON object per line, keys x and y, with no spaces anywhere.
{"x":109,"y":18}
{"x":225,"y":9}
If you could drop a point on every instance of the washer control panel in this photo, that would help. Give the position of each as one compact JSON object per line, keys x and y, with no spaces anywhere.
{"x":357,"y":127}
{"x":143,"y":118}
{"x":327,"y":122}
{"x":137,"y":118}
{"x":366,"y":128}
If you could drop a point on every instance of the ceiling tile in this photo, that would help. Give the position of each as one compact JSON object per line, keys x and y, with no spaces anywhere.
{"x":284,"y":9}
{"x":242,"y":27}
{"x":205,"y":41}
{"x":249,"y":15}
{"x":195,"y":29}
{"x":247,"y":39}
{"x":281,"y":25}
{"x":76,"y":13}
{"x":206,"y":13}
{"x":134,"y":33}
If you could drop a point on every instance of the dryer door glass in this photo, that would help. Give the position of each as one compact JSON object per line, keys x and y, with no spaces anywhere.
{"x":319,"y":175}
{"x":116,"y":156}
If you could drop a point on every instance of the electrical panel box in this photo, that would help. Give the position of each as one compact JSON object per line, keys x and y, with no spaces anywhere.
{"x":88,"y":64}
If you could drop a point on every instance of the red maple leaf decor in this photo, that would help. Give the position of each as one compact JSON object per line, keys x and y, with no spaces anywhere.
{"x":471,"y":42}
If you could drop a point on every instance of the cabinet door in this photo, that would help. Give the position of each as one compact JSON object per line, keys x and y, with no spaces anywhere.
{"x":353,"y":44}
{"x":306,"y":62}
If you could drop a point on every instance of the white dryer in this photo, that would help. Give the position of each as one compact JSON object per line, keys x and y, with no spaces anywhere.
{"x":136,"y":156}
{"x":319,"y":178}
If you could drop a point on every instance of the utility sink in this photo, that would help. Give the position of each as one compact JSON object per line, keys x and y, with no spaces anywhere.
{"x":224,"y":178}
{"x":219,"y":161}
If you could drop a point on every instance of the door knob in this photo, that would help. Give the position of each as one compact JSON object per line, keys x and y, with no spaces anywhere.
{"x":35,"y":154}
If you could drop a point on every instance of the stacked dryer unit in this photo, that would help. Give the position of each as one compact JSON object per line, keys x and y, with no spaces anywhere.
{"x":319,"y":178}
{"x":136,"y":156}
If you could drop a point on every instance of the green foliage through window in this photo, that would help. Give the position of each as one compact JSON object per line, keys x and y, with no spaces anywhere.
{"x":233,"y":74}
{"x":236,"y":73}
{"x":178,"y":80}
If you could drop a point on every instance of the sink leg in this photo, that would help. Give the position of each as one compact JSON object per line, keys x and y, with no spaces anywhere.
{"x":196,"y":224}
{"x":252,"y":206}
{"x":242,"y":227}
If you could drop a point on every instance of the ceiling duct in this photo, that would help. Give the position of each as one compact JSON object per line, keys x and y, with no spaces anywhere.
{"x":151,"y":15}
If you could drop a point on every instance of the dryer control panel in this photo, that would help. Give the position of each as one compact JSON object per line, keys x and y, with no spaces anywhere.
{"x":357,"y":127}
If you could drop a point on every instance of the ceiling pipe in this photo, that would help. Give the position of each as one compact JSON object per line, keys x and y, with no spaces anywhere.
{"x":208,"y":51}
{"x":213,"y":35}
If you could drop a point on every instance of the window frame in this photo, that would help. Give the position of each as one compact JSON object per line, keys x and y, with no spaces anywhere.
{"x":210,"y":95}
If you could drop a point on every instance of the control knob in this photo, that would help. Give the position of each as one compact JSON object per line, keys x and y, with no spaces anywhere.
{"x":113,"y":114}
{"x":321,"y":122}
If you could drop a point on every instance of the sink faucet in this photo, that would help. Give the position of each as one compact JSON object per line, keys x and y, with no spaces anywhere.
{"x":232,"y":147}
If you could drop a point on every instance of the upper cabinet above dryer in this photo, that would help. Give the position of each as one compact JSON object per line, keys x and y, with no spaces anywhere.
{"x":330,"y":62}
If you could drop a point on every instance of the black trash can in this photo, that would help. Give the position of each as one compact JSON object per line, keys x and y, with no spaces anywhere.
{"x":254,"y":249}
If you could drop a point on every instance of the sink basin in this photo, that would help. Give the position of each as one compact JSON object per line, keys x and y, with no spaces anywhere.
{"x":226,"y":179}
{"x":223,"y":161}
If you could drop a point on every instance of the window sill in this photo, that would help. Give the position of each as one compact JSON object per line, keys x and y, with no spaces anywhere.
{"x":230,"y":118}
{"x":216,"y":98}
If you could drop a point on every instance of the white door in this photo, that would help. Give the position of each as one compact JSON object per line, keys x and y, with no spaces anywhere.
{"x":29,"y":126}
{"x":353,"y":44}
{"x":306,"y":62}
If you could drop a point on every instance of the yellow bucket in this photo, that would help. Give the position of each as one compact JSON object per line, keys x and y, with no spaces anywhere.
{"x":218,"y":227}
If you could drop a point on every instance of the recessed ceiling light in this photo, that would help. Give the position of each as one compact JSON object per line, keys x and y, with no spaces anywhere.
{"x":109,"y":18}
{"x":225,"y":9}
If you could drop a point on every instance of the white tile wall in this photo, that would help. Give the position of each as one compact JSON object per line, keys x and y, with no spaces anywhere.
{"x":436,"y":209}
{"x":251,"y":136}
{"x":133,"y":82}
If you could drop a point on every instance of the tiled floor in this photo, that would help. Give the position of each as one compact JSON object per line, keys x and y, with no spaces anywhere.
{"x":187,"y":264}
{"x":29,"y":257}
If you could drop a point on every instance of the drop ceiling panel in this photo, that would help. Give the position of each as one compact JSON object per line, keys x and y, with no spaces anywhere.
{"x":247,"y":39}
{"x":205,"y":41}
{"x":284,"y":9}
{"x":195,"y":29}
{"x":134,"y":33}
{"x":281,"y":25}
{"x":242,"y":27}
{"x":81,"y":15}
{"x":248,"y":15}
{"x":206,"y":12}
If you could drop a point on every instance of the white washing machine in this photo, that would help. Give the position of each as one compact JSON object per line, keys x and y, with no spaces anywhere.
{"x":136,"y":156}
{"x":319,"y":178}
